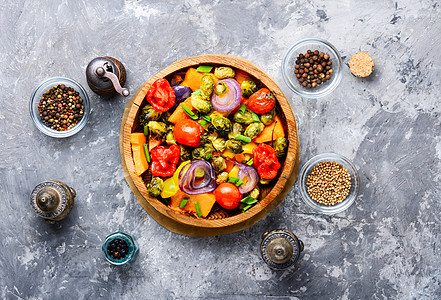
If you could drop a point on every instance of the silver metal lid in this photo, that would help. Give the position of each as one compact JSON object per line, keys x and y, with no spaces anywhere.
{"x":48,"y":199}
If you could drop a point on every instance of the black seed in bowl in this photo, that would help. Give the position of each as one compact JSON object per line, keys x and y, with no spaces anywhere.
{"x":118,"y":249}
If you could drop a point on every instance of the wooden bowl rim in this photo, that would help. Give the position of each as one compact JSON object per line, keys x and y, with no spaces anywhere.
{"x":220,"y":59}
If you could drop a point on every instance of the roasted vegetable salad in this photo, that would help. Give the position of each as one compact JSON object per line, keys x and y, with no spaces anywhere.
{"x":211,"y":140}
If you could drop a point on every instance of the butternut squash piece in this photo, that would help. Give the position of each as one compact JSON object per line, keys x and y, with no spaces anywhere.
{"x":242,"y":76}
{"x":267,"y":134}
{"x":205,"y":201}
{"x":137,"y":140}
{"x":153,"y":142}
{"x":179,"y":113}
{"x":193,"y":79}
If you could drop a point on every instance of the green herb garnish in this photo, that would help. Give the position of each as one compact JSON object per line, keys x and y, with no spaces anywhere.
{"x":256,"y":118}
{"x":246,"y":208}
{"x":204,"y":69}
{"x":147,"y":153}
{"x":146,"y":130}
{"x":198,"y":209}
{"x":242,"y":108}
{"x":236,"y":181}
{"x":206,"y":118}
{"x":244,"y":139}
{"x":250,"y":162}
{"x":184,"y":202}
{"x":189,"y":112}
{"x":203,"y":122}
{"x":209,"y":156}
{"x":197,"y":92}
{"x":249,"y":200}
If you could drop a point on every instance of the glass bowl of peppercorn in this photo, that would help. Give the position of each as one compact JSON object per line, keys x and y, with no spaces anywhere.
{"x":312,"y":68}
{"x":119,"y":248}
{"x":329,"y":183}
{"x":59,"y":107}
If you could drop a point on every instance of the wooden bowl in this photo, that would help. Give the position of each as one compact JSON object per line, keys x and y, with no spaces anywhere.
{"x":221,"y":222}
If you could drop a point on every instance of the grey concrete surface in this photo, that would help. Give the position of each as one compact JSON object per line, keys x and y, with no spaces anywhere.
{"x":386,"y":246}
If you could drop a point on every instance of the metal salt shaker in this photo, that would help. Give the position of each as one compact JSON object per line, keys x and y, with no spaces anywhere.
{"x":106,"y":76}
{"x":52,"y":200}
{"x":280,"y":249}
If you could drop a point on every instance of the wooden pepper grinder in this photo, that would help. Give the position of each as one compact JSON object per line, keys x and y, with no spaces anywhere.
{"x":106,"y":76}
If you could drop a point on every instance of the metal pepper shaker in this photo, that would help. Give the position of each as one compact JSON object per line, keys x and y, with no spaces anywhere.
{"x":280,"y":249}
{"x":106,"y":76}
{"x":52,"y":200}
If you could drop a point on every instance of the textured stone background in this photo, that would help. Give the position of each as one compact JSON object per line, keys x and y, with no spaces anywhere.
{"x":387,"y":245}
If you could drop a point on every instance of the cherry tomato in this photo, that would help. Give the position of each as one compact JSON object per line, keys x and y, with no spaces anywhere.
{"x":161,"y":95}
{"x":261,"y":101}
{"x":228,"y":195}
{"x":188,"y":132}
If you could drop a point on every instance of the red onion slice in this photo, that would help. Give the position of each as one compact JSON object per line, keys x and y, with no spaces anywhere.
{"x":251,"y":174}
{"x":187,"y":178}
{"x":229,"y":101}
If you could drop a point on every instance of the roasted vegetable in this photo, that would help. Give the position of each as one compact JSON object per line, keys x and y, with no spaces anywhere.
{"x":155,"y":186}
{"x":280,"y":146}
{"x":248,"y":88}
{"x":271,"y":132}
{"x":222,"y":177}
{"x":165,"y":115}
{"x":268,"y":118}
{"x":201,"y":105}
{"x":137,"y":140}
{"x":198,"y":205}
{"x":237,"y":129}
{"x":254,"y":130}
{"x":148,"y":114}
{"x":185,"y":155}
{"x":234,"y":146}
{"x":218,"y":164}
{"x":157,"y":128}
{"x":207,"y":85}
{"x":255,"y":193}
{"x":202,"y":152}
{"x":243,"y":117}
{"x":264,"y":181}
{"x":221,"y":124}
{"x":224,"y":72}
{"x":193,"y":79}
{"x":170,"y":138}
{"x":221,"y":89}
{"x":219,"y":144}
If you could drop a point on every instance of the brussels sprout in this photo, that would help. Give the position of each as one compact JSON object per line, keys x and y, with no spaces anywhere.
{"x":244,"y":117}
{"x":201,"y":105}
{"x":212,"y":136}
{"x":170,"y":138}
{"x":157,"y":128}
{"x":207,"y":85}
{"x":148,"y":114}
{"x":165,"y":116}
{"x":185,"y":155}
{"x":280,"y":146}
{"x":155,"y":186}
{"x":219,"y":144}
{"x":221,"y":89}
{"x":268,"y":118}
{"x":254,"y":130}
{"x":235,"y":146}
{"x":222,"y":177}
{"x":248,"y":88}
{"x":264,"y":181}
{"x":221,"y":124}
{"x":255,"y":193}
{"x":202,"y":152}
{"x":218,"y":164}
{"x":237,"y":129}
{"x":224,"y":72}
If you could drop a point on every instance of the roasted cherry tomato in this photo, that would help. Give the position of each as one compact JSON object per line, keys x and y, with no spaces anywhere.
{"x":164,"y":160}
{"x":261,"y":101}
{"x":228,"y":195}
{"x":265,"y":161}
{"x":188,"y":132}
{"x":161,"y":95}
